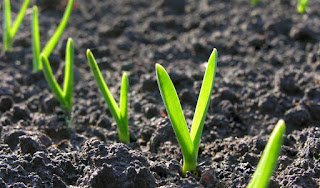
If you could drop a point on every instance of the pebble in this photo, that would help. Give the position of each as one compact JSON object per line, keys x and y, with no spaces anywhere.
{"x":150,"y":110}
{"x":20,"y":113}
{"x":6,"y":103}
{"x":268,"y":103}
{"x":30,"y":144}
{"x":302,"y":33}
{"x":298,"y":116}
{"x":104,"y":122}
{"x":228,"y":94}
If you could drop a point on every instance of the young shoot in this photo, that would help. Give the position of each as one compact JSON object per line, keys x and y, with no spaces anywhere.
{"x":120,"y":114}
{"x":302,"y":6}
{"x":51,"y":44}
{"x":189,"y":142}
{"x":269,"y":157}
{"x":254,"y":2}
{"x":64,"y":96}
{"x":9,"y":31}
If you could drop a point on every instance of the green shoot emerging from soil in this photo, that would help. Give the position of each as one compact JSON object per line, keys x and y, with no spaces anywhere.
{"x":37,"y":66}
{"x":302,"y":6}
{"x":119,"y":114}
{"x":254,"y":2}
{"x":189,"y":142}
{"x":63,"y":96}
{"x":10,"y":31}
{"x":269,"y":157}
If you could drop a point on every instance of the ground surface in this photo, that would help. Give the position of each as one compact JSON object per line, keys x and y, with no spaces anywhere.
{"x":268,"y":68}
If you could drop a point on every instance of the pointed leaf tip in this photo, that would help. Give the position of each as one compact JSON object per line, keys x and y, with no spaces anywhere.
{"x":159,"y":67}
{"x":88,"y":51}
{"x":70,"y":39}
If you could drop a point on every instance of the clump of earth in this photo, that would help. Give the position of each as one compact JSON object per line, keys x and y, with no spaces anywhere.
{"x":268,"y":69}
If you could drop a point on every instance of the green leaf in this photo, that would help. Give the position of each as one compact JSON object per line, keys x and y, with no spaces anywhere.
{"x":37,"y":65}
{"x":203,"y":100}
{"x":6,"y":24}
{"x":269,"y":157}
{"x":302,"y":6}
{"x":10,"y":31}
{"x":172,"y":104}
{"x":254,"y":2}
{"x":63,"y":96}
{"x":124,"y":107}
{"x":56,"y":36}
{"x":68,"y":75}
{"x":19,"y":18}
{"x":53,"y":84}
{"x":119,"y":116}
{"x":114,"y":109}
{"x":189,"y":142}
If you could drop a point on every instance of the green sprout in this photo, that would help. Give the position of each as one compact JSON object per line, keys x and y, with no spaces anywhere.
{"x":254,"y":2}
{"x":189,"y":142}
{"x":302,"y":6}
{"x":63,"y":96}
{"x":51,"y":44}
{"x":9,"y":31}
{"x":119,"y":114}
{"x":269,"y":157}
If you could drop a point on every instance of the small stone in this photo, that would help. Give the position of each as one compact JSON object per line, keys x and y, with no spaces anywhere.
{"x":30,"y":145}
{"x":104,"y":122}
{"x":228,"y":94}
{"x":98,"y":133}
{"x":34,"y":77}
{"x":45,"y":140}
{"x":6,"y":103}
{"x":149,"y":83}
{"x":298,"y":116}
{"x":314,"y":110}
{"x":186,"y":96}
{"x":268,"y":103}
{"x":302,"y":33}
{"x":312,"y":94}
{"x":151,"y":110}
{"x":12,"y":139}
{"x":49,"y":104}
{"x":20,"y":113}
{"x":287,"y":83}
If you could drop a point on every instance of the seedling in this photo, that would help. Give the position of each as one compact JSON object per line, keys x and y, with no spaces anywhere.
{"x":119,"y":114}
{"x":269,"y":157}
{"x":9,"y":31}
{"x":302,"y":6}
{"x":63,"y":96}
{"x":189,"y":142}
{"x":254,"y":2}
{"x":51,"y":44}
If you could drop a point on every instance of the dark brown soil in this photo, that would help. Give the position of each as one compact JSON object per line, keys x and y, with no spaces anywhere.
{"x":268,"y":68}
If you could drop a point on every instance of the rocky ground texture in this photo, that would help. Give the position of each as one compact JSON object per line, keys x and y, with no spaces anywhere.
{"x":268,"y":69}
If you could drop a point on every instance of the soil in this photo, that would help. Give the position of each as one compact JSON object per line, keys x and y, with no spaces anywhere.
{"x":268,"y":69}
